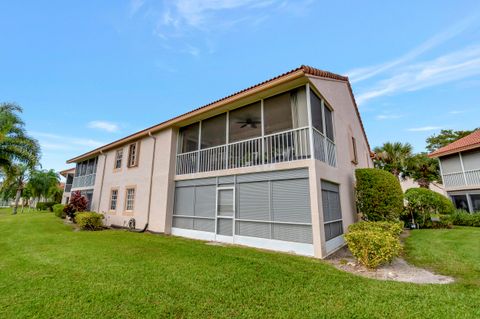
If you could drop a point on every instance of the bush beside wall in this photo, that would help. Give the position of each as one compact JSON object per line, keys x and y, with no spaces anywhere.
{"x":374,"y":243}
{"x":462,"y":218}
{"x":378,"y":194}
{"x":89,"y":220}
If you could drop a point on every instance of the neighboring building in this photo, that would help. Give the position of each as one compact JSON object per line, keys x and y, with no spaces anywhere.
{"x":410,"y":183}
{"x":460,"y":169}
{"x":271,"y":166}
{"x":68,"y":174}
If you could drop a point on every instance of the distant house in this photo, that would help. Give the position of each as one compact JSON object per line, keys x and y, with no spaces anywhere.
{"x":460,"y":169}
{"x":271,"y":166}
{"x":68,"y":174}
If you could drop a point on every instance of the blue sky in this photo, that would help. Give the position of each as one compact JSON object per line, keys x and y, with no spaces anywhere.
{"x":90,"y":72}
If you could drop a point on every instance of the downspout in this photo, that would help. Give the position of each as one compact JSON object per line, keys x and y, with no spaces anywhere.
{"x":151,"y":181}
{"x":103,"y":176}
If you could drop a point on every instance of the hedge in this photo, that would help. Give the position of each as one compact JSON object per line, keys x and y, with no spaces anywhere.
{"x":58,"y":210}
{"x":378,"y":195}
{"x":89,"y":220}
{"x":462,"y":218}
{"x":374,"y":243}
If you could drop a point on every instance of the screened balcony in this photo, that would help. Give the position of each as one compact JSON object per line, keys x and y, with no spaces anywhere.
{"x":274,"y":130}
{"x":85,"y":173}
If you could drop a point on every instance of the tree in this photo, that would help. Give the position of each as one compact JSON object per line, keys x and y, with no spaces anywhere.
{"x":444,"y":138}
{"x":15,"y":180}
{"x":42,"y":182}
{"x":393,"y":157}
{"x":423,"y":170}
{"x":15,"y":145}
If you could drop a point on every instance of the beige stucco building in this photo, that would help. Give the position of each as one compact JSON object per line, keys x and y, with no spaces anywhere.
{"x":271,"y":166}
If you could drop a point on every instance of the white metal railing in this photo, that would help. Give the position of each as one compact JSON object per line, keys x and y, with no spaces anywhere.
{"x":457,"y":179}
{"x":473,"y":177}
{"x":83,"y":181}
{"x":324,"y":148}
{"x":274,"y":148}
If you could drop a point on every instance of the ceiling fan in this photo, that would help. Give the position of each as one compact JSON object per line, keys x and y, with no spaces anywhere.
{"x":252,"y":123}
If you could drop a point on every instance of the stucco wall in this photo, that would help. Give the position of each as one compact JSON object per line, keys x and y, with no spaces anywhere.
{"x":138,"y":177}
{"x":346,"y":125}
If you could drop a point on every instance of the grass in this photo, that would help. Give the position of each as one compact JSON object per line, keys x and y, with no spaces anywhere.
{"x":49,"y":271}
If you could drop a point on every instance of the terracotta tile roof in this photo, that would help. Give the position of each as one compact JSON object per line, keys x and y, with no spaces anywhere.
{"x":465,"y":143}
{"x":295,"y":73}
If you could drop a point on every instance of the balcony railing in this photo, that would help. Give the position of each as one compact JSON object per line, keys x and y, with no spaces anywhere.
{"x":83,"y":181}
{"x":324,"y":148}
{"x":286,"y":146}
{"x":459,"y":179}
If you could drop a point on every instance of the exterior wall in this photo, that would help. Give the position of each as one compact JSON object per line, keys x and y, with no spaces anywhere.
{"x":410,"y":183}
{"x":346,"y":125}
{"x":139,"y":177}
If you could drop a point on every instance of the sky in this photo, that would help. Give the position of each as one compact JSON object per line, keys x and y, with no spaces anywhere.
{"x":89,"y":72}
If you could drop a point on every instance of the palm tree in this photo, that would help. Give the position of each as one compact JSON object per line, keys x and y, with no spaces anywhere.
{"x":42,"y":182}
{"x":393,"y":157}
{"x":15,"y":145}
{"x":15,"y":180}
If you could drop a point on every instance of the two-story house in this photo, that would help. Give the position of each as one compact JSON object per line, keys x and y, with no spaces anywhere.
{"x":69,"y":175}
{"x":460,"y":169}
{"x":271,"y":166}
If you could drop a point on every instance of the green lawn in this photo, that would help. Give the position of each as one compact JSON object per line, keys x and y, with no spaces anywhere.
{"x":47,"y":270}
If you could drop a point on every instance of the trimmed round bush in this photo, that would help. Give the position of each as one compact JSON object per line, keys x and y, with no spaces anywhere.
{"x":89,"y":220}
{"x":373,"y":248}
{"x":378,"y":194}
{"x":58,"y":210}
{"x":394,"y":228}
{"x":422,"y":202}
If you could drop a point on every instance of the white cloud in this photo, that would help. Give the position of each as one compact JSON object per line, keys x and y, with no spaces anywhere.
{"x":61,"y":142}
{"x":365,"y":73}
{"x":455,"y":112}
{"x":424,"y":129}
{"x":135,"y":6}
{"x":104,"y":126}
{"x":388,"y":116}
{"x":447,"y":68}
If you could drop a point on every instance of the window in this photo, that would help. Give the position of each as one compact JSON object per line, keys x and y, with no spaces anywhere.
{"x":475,"y":199}
{"x":354,"y":149}
{"x":316,"y":105}
{"x":332,"y":212}
{"x":328,"y":122}
{"x":460,"y":202}
{"x":129,"y":199}
{"x":189,"y":138}
{"x":113,"y":199}
{"x":133,"y":152}
{"x":118,"y":159}
{"x":245,"y":122}
{"x":214,"y":131}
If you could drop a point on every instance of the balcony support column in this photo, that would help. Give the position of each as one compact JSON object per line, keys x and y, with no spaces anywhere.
{"x":310,"y":122}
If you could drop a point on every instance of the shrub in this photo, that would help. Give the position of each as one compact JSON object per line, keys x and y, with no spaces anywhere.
{"x":48,"y":206}
{"x":394,"y":228}
{"x":463,"y":218}
{"x":41,"y":206}
{"x":378,"y":194}
{"x":373,"y":247}
{"x":58,"y":210}
{"x":78,"y":203}
{"x":422,"y":202}
{"x":442,"y":222}
{"x":89,"y":220}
